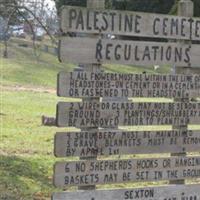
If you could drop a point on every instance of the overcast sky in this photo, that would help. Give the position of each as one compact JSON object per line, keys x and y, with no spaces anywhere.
{"x":51,"y":3}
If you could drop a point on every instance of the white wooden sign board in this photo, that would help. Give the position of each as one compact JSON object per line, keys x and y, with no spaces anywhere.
{"x":105,"y":51}
{"x":114,"y":113}
{"x":110,"y":142}
{"x":85,"y":84}
{"x":114,"y":22}
{"x":176,"y":192}
{"x":94,"y":172}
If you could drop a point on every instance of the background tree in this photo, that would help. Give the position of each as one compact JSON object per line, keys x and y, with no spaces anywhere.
{"x":155,"y":6}
{"x":9,"y":12}
{"x":60,"y":3}
{"x":196,"y":8}
{"x":20,"y":11}
{"x":83,"y":3}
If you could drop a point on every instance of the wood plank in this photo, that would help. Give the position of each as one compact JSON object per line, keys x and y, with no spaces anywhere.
{"x":83,"y":20}
{"x":114,"y":113}
{"x":123,"y":171}
{"x":110,"y":142}
{"x":185,"y":8}
{"x":175,"y":192}
{"x":85,"y":84}
{"x":99,"y":51}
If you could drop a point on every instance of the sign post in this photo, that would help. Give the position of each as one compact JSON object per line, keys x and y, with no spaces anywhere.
{"x":185,"y":8}
{"x":105,"y":105}
{"x":89,"y":66}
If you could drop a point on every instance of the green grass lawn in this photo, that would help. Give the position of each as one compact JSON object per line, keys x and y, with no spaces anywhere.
{"x":26,"y":147}
{"x":24,"y":68}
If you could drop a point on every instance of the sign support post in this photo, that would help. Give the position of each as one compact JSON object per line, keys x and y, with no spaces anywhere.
{"x":106,"y":106}
{"x":185,"y":8}
{"x":98,"y":4}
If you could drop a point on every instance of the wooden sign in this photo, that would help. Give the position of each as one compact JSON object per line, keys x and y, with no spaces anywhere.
{"x":99,"y":51}
{"x":110,"y":142}
{"x":94,"y":172}
{"x":82,"y":20}
{"x":85,"y":84}
{"x":113,"y":114}
{"x":176,"y":192}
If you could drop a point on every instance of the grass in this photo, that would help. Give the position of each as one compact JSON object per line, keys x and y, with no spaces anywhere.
{"x":25,"y":178}
{"x":24,"y":68}
{"x":26,"y":148}
{"x":135,"y":69}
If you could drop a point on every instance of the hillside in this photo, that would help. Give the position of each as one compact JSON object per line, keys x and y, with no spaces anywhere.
{"x":28,"y":91}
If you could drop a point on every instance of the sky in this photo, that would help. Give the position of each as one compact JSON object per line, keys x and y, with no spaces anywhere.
{"x":51,"y":3}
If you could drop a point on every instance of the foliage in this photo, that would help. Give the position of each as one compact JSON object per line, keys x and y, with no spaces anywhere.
{"x":196,"y":8}
{"x":155,"y":6}
{"x":9,"y":12}
{"x":18,"y":11}
{"x":4,"y":10}
{"x":60,"y":3}
{"x":162,"y":6}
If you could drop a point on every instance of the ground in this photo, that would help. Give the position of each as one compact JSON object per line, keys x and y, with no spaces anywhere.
{"x":28,"y":91}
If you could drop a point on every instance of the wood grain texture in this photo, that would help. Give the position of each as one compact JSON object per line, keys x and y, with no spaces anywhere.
{"x":85,"y":84}
{"x":83,"y":20}
{"x":100,"y":51}
{"x":177,"y":192}
{"x":110,"y":142}
{"x":113,"y":114}
{"x":90,"y":172}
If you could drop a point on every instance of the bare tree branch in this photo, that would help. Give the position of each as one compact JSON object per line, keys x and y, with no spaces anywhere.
{"x":32,"y":29}
{"x":5,"y":54}
{"x":35,"y":17}
{"x":13,"y":6}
